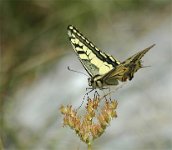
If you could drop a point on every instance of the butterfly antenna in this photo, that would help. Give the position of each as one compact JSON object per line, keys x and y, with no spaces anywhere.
{"x":76,"y":71}
{"x":145,"y":66}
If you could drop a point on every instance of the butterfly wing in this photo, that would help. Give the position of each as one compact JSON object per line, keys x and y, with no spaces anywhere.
{"x":134,"y":62}
{"x":127,"y":68}
{"x":94,"y":60}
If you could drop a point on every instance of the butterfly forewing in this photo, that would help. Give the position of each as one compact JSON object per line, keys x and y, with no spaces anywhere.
{"x":94,"y":61}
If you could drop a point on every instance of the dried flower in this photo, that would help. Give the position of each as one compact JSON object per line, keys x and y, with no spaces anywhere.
{"x":93,"y":124}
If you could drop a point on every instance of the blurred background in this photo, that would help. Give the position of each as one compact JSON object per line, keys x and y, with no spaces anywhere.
{"x":35,"y":53}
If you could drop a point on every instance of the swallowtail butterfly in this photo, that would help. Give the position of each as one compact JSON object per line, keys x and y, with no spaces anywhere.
{"x":104,"y":70}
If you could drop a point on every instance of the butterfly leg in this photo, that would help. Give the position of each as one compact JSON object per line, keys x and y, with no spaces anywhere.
{"x":96,"y":94}
{"x":109,"y":93}
{"x":91,"y":89}
{"x":105,"y":94}
{"x":86,"y":94}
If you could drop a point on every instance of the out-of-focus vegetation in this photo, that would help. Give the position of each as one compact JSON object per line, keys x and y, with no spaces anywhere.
{"x":33,"y":33}
{"x":33,"y":39}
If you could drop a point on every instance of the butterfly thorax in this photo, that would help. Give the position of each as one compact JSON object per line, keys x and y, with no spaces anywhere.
{"x":96,"y":82}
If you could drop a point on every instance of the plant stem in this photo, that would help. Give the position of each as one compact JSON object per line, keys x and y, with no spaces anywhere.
{"x":89,"y":146}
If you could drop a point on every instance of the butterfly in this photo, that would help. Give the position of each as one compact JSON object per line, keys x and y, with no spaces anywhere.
{"x":104,"y":70}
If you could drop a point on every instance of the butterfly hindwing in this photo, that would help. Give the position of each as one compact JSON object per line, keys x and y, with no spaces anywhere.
{"x":134,"y":62}
{"x":127,"y":68}
{"x":94,"y":60}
